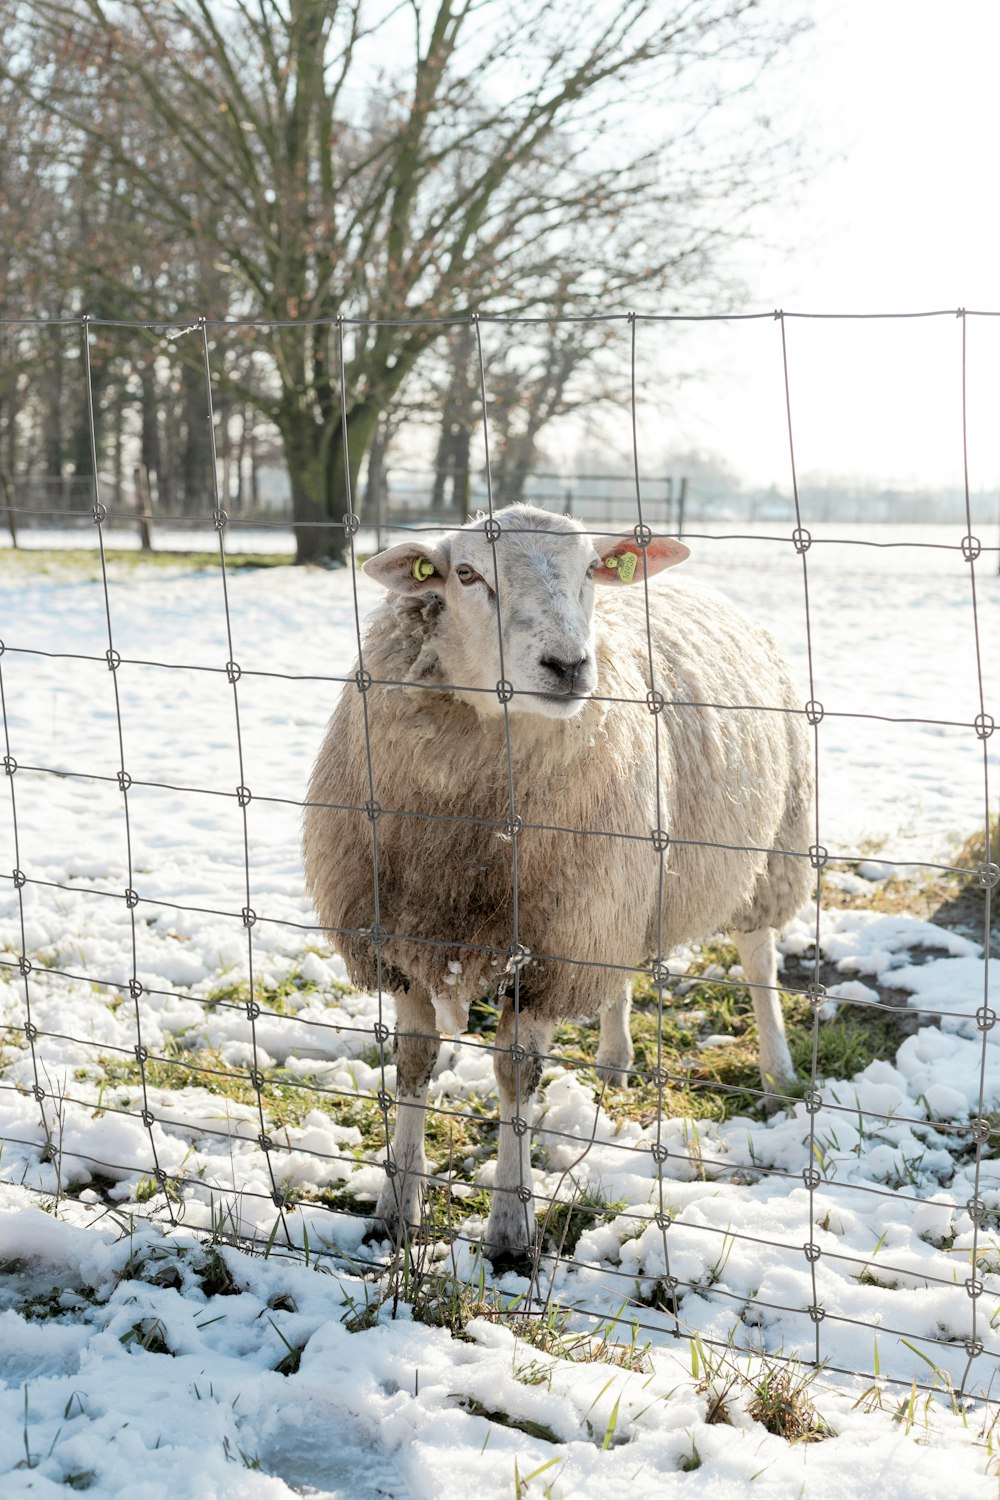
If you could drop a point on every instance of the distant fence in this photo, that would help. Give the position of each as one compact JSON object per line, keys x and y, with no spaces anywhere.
{"x":35,"y":503}
{"x":31,"y":503}
{"x":65,"y":1126}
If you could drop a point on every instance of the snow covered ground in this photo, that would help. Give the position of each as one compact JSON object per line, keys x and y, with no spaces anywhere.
{"x":900,"y":1223}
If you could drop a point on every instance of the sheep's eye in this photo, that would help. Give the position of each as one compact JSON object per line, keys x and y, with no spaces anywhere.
{"x":593,"y":568}
{"x":467,"y":575}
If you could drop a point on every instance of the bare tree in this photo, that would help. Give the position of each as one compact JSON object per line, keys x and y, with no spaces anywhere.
{"x":363,"y":172}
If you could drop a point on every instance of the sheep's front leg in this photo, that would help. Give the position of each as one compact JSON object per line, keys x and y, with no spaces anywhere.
{"x":759,"y":958}
{"x":614,"y":1050}
{"x":417,"y":1047}
{"x":518,"y":1068}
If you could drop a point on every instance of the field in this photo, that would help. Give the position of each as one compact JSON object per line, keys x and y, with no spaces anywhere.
{"x":184,"y":1334}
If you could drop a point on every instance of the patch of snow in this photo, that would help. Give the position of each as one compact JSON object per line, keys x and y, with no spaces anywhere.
{"x":875,"y":1174}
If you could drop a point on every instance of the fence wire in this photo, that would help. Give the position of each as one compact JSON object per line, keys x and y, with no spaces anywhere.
{"x":655,"y":1295}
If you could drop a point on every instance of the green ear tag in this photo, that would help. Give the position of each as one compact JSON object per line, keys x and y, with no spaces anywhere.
{"x":421,"y":568}
{"x":624,"y":564}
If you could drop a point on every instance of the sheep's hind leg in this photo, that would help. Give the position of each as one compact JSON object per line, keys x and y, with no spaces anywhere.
{"x":614,"y":1050}
{"x":518,"y":1068}
{"x":417,"y":1047}
{"x":759,"y":958}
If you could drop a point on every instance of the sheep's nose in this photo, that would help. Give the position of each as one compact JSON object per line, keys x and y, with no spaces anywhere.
{"x":564,"y":671}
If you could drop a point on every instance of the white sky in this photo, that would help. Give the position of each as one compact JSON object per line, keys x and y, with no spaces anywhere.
{"x":898,"y":104}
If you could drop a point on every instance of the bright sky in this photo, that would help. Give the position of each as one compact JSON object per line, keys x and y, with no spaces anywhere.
{"x":897,"y":101}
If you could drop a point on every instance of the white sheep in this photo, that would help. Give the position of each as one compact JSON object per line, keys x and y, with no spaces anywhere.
{"x":512,"y":716}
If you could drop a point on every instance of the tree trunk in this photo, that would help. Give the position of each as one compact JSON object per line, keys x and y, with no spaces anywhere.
{"x":461,"y":402}
{"x":118,"y":447}
{"x":53,"y":386}
{"x":80,"y":454}
{"x":195,"y":469}
{"x":314,"y":456}
{"x":376,"y":488}
{"x":246,"y":422}
{"x":254,"y":470}
{"x":224,"y":443}
{"x":514,"y":467}
{"x":149,"y":451}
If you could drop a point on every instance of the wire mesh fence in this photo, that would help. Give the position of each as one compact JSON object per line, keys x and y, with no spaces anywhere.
{"x":178,"y":1040}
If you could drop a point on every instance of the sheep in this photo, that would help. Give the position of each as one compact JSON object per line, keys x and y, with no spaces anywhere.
{"x":511,"y":679}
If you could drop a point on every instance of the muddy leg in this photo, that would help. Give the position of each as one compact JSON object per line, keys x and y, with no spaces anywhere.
{"x":759,"y":958}
{"x":518,"y":1071}
{"x":417,"y":1046}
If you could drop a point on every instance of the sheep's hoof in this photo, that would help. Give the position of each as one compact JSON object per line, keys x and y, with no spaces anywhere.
{"x":391,"y":1228}
{"x":509,"y":1234}
{"x":395,"y":1219}
{"x":378,"y":1232}
{"x":778,"y":1093}
{"x":518,"y":1261}
{"x":614,"y":1075}
{"x":614,"y":1061}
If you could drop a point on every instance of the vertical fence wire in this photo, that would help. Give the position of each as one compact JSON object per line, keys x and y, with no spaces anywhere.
{"x":23,"y":961}
{"x":986,"y":1018}
{"x":395,"y":1174}
{"x":124,"y":783}
{"x":660,"y":836}
{"x":243,"y":799}
{"x":518,"y":956}
{"x":811,"y":1174}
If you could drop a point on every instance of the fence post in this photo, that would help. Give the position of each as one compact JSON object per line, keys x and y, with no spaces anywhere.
{"x":681,"y":499}
{"x":9,"y":508}
{"x":144,"y":518}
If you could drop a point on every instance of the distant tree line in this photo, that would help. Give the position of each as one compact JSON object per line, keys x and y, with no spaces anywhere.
{"x":348,"y":182}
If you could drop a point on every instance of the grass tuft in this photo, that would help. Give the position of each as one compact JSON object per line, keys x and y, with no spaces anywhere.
{"x":148,"y":1334}
{"x":776,"y":1393}
{"x":780,"y":1401}
{"x":506,"y":1419}
{"x":565,"y":1221}
{"x":972,"y":853}
{"x":81,"y":1479}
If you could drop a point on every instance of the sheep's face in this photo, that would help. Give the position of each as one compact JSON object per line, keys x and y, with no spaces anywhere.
{"x":517,"y":627}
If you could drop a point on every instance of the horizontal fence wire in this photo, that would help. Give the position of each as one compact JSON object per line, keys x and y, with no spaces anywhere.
{"x":180,"y":327}
{"x":293,"y":1194}
{"x":347,"y":523}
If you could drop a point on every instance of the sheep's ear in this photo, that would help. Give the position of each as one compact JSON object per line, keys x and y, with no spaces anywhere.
{"x":621,"y":558}
{"x":409,"y":569}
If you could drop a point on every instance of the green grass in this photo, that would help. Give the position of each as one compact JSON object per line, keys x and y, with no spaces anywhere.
{"x":702,"y":1083}
{"x":776,"y":1393}
{"x":971,"y":855}
{"x":717,"y":1083}
{"x":288,"y":1097}
{"x":85,"y":562}
{"x":285,"y":999}
{"x":505,"y":1419}
{"x":952,"y":900}
{"x":188,"y":1062}
{"x":564,"y":1222}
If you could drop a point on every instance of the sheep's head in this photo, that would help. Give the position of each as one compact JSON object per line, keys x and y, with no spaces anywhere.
{"x":520,"y":608}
